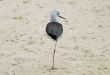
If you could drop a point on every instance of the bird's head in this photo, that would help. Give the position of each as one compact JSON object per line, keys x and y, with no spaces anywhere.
{"x":55,"y":15}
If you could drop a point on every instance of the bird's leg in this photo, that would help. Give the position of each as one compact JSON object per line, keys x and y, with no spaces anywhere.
{"x":53,"y":59}
{"x":54,"y":55}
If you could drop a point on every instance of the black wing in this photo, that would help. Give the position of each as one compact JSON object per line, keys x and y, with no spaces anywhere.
{"x":54,"y":29}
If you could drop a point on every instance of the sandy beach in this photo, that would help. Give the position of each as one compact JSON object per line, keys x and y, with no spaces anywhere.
{"x":26,"y":49}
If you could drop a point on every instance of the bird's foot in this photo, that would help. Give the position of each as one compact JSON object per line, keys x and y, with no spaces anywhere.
{"x":53,"y":68}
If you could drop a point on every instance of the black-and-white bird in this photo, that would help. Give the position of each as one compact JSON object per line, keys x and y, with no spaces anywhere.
{"x":54,"y":29}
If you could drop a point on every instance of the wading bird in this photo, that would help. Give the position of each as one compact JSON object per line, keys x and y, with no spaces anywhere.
{"x":54,"y":29}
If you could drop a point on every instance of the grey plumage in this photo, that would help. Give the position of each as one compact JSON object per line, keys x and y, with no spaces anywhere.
{"x":54,"y":29}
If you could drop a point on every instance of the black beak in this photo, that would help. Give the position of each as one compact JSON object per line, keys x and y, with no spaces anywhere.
{"x":62,"y":17}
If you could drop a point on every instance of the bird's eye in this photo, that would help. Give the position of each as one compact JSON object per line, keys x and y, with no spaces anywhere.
{"x":58,"y":14}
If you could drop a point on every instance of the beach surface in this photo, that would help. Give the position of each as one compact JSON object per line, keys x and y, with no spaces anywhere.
{"x":83,"y":48}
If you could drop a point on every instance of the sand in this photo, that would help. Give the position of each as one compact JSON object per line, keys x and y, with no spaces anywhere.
{"x":83,"y":49}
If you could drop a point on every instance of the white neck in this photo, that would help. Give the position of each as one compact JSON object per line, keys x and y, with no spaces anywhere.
{"x":54,"y":16}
